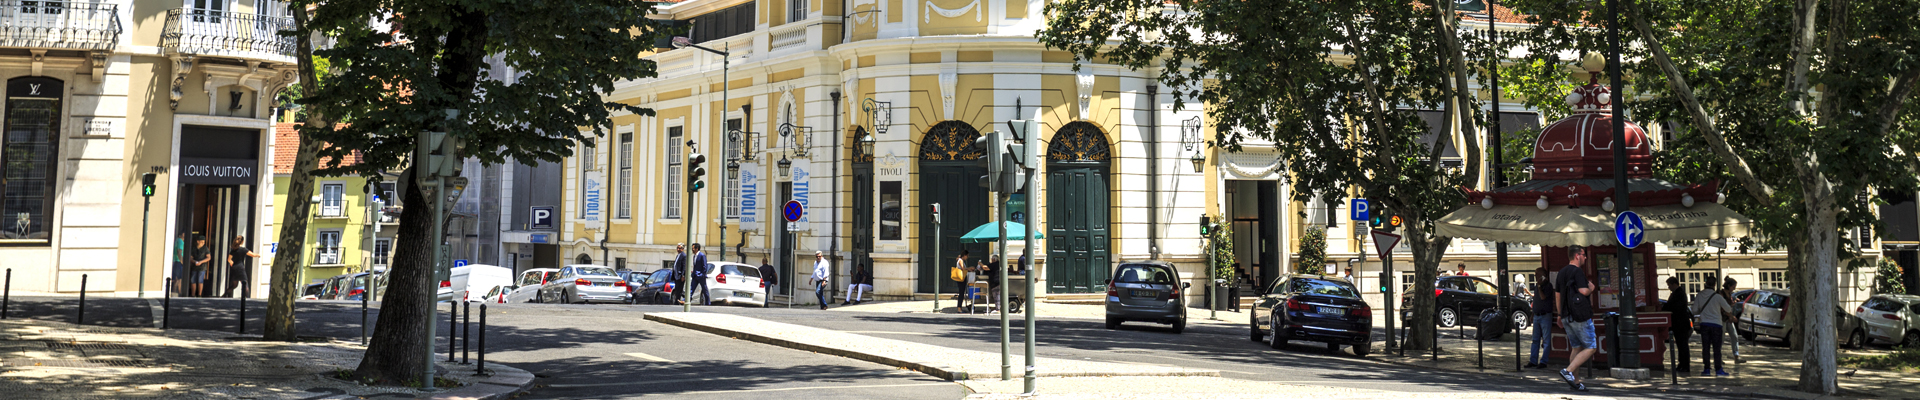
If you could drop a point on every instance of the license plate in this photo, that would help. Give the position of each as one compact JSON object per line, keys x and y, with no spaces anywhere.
{"x":743,"y":294}
{"x":1331,"y":310}
{"x":1145,"y":293}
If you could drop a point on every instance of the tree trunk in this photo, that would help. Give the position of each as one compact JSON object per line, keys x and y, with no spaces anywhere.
{"x":1818,"y":372}
{"x":397,"y":352}
{"x":1797,"y":285}
{"x":285,"y":286}
{"x":1427,"y":252}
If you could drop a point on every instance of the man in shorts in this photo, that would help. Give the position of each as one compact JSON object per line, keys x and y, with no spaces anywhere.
{"x":1575,"y":310}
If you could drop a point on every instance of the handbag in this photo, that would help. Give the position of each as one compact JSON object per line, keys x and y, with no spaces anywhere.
{"x":957,"y":275}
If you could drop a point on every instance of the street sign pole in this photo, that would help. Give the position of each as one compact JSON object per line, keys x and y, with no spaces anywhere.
{"x":937,"y":260}
{"x":1032,"y":224}
{"x":1629,"y":323}
{"x":1383,"y":243}
{"x":1006,"y":360}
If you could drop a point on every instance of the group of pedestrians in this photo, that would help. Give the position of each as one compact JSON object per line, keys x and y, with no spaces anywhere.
{"x":193,"y":267}
{"x":1566,"y":302}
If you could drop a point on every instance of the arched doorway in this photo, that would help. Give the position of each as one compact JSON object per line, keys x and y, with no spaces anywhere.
{"x":948,"y":176}
{"x":1078,"y":234}
{"x":582,"y":259}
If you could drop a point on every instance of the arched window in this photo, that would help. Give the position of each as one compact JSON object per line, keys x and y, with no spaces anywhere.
{"x":583,"y":259}
{"x":29,"y":149}
{"x":1079,"y":141}
{"x":949,"y":141}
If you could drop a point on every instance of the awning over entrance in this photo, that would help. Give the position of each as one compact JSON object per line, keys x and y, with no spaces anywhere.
{"x":990,"y":232}
{"x":1561,"y":226}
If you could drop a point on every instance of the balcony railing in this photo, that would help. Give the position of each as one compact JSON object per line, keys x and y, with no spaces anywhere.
{"x":59,"y":24}
{"x":215,"y":32}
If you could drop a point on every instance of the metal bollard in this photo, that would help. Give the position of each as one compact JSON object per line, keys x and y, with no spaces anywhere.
{"x":480,"y":368}
{"x":453,"y":316}
{"x":6,"y":294}
{"x":364,"y":298}
{"x":466,"y":330}
{"x":81,"y":319}
{"x":166,"y":306}
{"x":242,"y":329}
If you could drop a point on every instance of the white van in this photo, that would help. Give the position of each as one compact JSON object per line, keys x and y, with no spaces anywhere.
{"x":474,"y":280}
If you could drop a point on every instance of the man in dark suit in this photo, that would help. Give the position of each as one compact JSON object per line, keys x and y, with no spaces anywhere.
{"x":771,"y":277}
{"x":699,"y":267}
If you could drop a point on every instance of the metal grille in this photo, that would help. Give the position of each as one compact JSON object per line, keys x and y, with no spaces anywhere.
{"x":70,"y":363}
{"x":202,"y":31}
{"x":88,"y":346}
{"x":950,"y":141}
{"x":59,"y":24}
{"x":68,"y":331}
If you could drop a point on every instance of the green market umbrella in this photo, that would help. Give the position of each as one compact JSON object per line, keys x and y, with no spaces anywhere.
{"x":990,"y":232}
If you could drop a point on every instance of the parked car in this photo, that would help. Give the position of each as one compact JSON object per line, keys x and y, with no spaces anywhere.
{"x":584,"y":284}
{"x":1146,"y":291}
{"x":497,"y":294}
{"x":312,"y":291}
{"x":355,"y":286}
{"x":527,"y":288}
{"x":336,"y":286}
{"x":735,"y":284}
{"x":473,"y":279}
{"x":655,"y":287}
{"x":1312,"y":307}
{"x":1763,"y":312}
{"x":1458,"y":297}
{"x":635,"y":280}
{"x":1890,"y":318}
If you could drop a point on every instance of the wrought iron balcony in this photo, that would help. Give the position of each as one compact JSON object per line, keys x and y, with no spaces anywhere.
{"x":59,"y":25}
{"x":221,"y":33}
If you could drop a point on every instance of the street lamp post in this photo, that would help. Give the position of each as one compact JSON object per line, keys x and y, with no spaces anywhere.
{"x":1190,"y":138}
{"x":725,"y":85}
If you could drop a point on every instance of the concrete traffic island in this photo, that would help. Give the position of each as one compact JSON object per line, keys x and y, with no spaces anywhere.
{"x":52,"y":360}
{"x":941,"y":362}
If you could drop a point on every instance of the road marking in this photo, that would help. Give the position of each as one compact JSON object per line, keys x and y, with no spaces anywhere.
{"x":812,"y":388}
{"x":645,"y":356}
{"x":857,"y":375}
{"x":893,"y":333}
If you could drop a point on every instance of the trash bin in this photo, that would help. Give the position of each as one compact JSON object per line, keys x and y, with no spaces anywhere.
{"x":1613,"y":339}
{"x":1492,"y":324}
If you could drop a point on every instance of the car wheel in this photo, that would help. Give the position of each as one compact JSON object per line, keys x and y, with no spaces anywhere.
{"x":1361,"y":349}
{"x":1521,"y":321}
{"x":1253,"y":324}
{"x":1912,"y":339}
{"x":1448,"y":317}
{"x":1113,"y":323}
{"x":1857,"y":340}
{"x":1278,"y":339}
{"x":1179,"y":326}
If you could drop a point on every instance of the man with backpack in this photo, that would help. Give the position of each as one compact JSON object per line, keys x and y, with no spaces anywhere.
{"x":1575,"y":305}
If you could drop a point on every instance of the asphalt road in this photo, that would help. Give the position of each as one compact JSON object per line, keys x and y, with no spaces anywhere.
{"x":610,"y":351}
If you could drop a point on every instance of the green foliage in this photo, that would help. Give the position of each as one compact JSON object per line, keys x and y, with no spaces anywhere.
{"x":1221,"y":244}
{"x":1886,"y":277}
{"x":1313,"y":251}
{"x":1905,"y":360}
{"x":288,"y":99}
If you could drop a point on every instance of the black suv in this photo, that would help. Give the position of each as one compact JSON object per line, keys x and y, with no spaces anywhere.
{"x":1317,"y":308}
{"x":1460,"y":297}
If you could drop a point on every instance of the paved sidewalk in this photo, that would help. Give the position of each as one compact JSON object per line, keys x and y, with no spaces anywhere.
{"x":1045,"y":310}
{"x":942,"y":362}
{"x":54,"y":360}
{"x":1768,"y":369}
{"x":1180,"y":388}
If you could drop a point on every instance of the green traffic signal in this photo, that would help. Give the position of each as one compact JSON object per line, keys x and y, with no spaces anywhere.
{"x":1205,"y":222}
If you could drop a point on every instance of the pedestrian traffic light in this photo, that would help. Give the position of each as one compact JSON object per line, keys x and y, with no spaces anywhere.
{"x":993,"y":154}
{"x":1386,"y":280}
{"x":1206,"y":223}
{"x":146,"y":184}
{"x":695,"y":171}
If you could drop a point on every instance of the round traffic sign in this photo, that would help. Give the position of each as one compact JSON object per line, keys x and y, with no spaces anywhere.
{"x":793,"y":210}
{"x":1629,"y":230}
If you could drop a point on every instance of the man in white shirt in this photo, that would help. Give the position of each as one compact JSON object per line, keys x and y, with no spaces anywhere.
{"x":822,"y":271}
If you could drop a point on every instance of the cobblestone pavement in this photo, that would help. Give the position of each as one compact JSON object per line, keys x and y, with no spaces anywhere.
{"x":52,"y":360}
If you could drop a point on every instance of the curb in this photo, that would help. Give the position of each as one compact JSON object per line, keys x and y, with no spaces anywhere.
{"x":519,"y":380}
{"x":1613,"y":384}
{"x":946,"y":372}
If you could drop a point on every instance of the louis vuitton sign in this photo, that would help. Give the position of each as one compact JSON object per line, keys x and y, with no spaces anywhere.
{"x":218,"y":171}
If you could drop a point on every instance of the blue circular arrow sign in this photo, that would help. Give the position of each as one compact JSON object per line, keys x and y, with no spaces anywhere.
{"x":1629,"y":230}
{"x":793,"y":210}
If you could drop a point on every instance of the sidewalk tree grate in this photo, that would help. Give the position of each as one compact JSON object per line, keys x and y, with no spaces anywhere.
{"x":69,"y":363}
{"x":58,"y":331}
{"x":88,"y":346}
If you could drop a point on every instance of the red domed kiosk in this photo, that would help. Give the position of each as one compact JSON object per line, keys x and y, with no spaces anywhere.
{"x":1569,"y":201}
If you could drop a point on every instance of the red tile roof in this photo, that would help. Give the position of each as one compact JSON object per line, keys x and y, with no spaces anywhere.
{"x":286,"y":147}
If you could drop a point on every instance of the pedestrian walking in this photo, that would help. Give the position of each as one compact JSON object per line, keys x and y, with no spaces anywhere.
{"x":1726,"y":290}
{"x":699,"y":267}
{"x":862,"y":282}
{"x":822,"y":270}
{"x":1575,"y":307}
{"x":1713,"y":312}
{"x":1460,"y":270}
{"x":679,"y":272}
{"x":1542,"y":319}
{"x":1682,"y":317}
{"x":992,"y":269}
{"x":239,"y":264}
{"x":769,"y":276}
{"x":202,"y":266}
{"x":180,"y":258}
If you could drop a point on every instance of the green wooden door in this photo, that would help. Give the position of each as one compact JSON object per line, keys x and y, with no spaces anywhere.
{"x":963,"y":203}
{"x":1078,"y":236}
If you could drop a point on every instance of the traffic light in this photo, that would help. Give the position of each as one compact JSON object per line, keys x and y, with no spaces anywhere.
{"x":1206,"y":223}
{"x":1024,"y":147}
{"x":695,"y":171}
{"x":1386,"y":280}
{"x":436,"y":154}
{"x":1377,"y":217}
{"x":993,"y":153}
{"x":1393,"y":222}
{"x":146,"y":184}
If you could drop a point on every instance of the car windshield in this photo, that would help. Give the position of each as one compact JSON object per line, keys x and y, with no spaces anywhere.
{"x":1324,"y":288}
{"x":601,"y":271}
{"x":743,"y":271}
{"x":1143,"y":274}
{"x":1773,"y":300}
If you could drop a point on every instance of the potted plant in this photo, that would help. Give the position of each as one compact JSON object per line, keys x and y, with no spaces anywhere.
{"x":1313,"y":251}
{"x":1219,"y":242}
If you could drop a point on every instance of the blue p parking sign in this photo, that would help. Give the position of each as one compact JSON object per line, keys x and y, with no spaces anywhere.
{"x":1360,"y":209}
